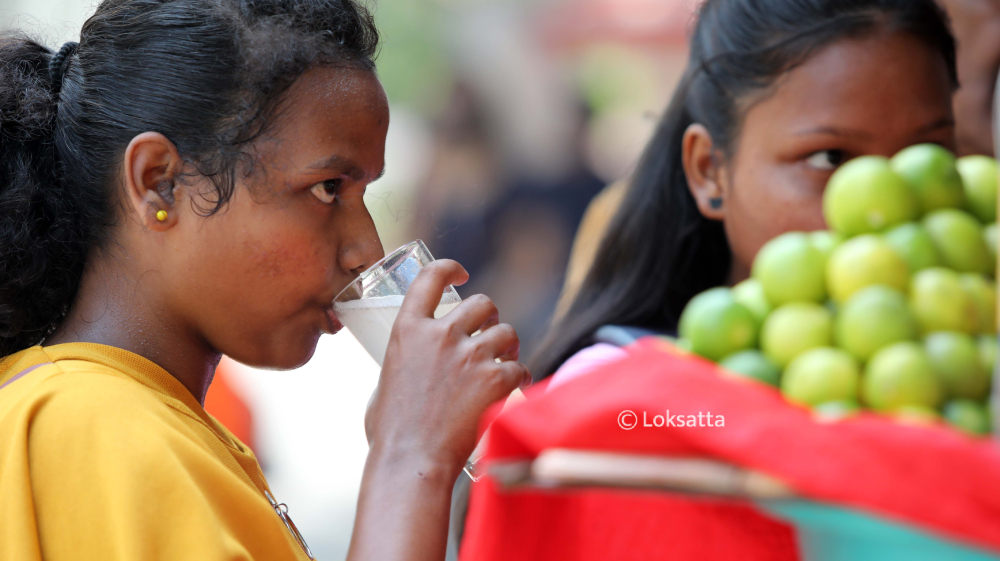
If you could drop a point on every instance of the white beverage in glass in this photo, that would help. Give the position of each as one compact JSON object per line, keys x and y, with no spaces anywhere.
{"x":368,"y":306}
{"x":371,"y":319}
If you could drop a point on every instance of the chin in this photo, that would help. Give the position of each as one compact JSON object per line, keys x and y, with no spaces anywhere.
{"x":281,"y":353}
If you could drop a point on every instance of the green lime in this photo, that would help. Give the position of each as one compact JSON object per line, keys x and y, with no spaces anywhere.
{"x":790,"y":269}
{"x":825,"y":241}
{"x":990,"y":237}
{"x":875,"y":317}
{"x":939,"y":302}
{"x":753,"y":364}
{"x":795,"y":328}
{"x":955,"y":357}
{"x":930,"y":171}
{"x":983,"y":294}
{"x":832,"y":307}
{"x":717,"y":325}
{"x":969,"y":416}
{"x":750,"y":293}
{"x":980,"y":175}
{"x":988,"y":348}
{"x":912,"y":242}
{"x":864,"y":261}
{"x":820,"y":375}
{"x":836,"y":410}
{"x":865,"y":196}
{"x":959,"y":240}
{"x":898,"y":375}
{"x":685,"y":345}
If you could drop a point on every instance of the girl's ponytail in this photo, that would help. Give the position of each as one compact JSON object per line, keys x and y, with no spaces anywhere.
{"x":43,"y":241}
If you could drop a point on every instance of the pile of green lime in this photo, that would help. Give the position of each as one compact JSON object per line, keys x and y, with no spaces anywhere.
{"x":893,"y":310}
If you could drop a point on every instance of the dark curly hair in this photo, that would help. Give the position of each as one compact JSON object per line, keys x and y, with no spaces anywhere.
{"x":207,"y":74}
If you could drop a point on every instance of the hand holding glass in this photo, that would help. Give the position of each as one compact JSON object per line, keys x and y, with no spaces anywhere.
{"x":368,"y":306}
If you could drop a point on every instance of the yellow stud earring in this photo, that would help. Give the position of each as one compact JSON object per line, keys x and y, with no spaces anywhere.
{"x":161,"y":215}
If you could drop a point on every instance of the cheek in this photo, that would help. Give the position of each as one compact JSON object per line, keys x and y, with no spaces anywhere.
{"x":767,"y":200}
{"x":268,"y":272}
{"x":285,"y":266}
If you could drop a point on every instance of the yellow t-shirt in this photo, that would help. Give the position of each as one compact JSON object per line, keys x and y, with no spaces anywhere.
{"x":106,"y":456}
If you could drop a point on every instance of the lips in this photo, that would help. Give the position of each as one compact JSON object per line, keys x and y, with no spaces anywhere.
{"x":334,"y":323}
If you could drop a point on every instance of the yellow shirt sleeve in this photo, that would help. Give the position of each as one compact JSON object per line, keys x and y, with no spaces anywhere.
{"x":97,"y":467}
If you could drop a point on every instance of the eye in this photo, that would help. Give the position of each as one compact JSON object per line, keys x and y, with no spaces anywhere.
{"x":327,"y":190}
{"x":826,"y":159}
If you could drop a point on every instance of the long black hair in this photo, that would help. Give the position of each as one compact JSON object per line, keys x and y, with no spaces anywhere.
{"x":207,"y":74}
{"x":659,"y":251}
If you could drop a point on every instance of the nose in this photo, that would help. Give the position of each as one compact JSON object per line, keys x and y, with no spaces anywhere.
{"x":362,"y":247}
{"x":373,"y":256}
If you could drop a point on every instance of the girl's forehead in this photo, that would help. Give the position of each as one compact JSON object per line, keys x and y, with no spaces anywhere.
{"x":890,"y":79}
{"x":333,"y":123}
{"x":339,"y":90}
{"x":330,"y":114}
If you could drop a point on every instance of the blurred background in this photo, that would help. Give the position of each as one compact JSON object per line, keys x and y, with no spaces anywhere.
{"x":508,"y":116}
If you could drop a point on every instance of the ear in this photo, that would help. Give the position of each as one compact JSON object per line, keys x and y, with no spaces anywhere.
{"x":704,"y":171}
{"x":150,"y":168}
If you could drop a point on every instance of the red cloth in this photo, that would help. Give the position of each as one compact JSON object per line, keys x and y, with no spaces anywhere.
{"x":620,"y":525}
{"x":930,"y":476}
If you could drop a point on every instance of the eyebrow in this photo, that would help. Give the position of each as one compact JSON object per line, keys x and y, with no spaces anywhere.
{"x":338,"y":163}
{"x":854,"y":133}
{"x":940,"y":123}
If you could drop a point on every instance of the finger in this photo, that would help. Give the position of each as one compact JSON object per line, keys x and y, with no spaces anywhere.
{"x":499,"y":341}
{"x":474,"y":313}
{"x":371,"y":412}
{"x":495,"y":320}
{"x":425,"y":292}
{"x":514,"y":375}
{"x":513,"y":354}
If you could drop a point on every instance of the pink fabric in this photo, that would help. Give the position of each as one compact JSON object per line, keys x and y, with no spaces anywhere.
{"x":587,"y":360}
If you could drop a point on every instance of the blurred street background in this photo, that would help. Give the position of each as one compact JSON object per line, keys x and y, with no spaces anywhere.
{"x":508,"y":116}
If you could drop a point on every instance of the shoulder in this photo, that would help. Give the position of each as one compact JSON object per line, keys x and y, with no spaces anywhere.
{"x":83,"y":388}
{"x":83,"y":408}
{"x":106,"y":465}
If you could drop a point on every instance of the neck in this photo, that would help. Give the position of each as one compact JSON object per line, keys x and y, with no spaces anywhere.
{"x":738,"y":272}
{"x":121,"y":310}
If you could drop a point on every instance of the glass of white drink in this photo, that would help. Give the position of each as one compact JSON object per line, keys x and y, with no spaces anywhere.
{"x":368,"y":306}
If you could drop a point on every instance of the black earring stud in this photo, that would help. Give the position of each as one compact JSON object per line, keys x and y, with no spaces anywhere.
{"x":715,"y":203}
